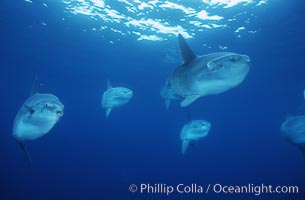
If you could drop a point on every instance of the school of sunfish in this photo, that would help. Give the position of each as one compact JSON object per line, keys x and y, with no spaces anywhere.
{"x":197,"y":77}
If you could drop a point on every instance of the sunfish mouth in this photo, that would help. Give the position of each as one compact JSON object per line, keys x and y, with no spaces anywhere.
{"x":60,"y":113}
{"x":246,"y":58}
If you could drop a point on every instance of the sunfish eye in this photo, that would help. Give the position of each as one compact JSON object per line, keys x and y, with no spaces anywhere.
{"x":46,"y":105}
{"x":234,"y":58}
{"x":126,"y":92}
{"x":218,"y":66}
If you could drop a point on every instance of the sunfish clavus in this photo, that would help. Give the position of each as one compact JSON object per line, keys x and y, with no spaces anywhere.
{"x":206,"y":75}
{"x":168,"y":95}
{"x":36,"y":117}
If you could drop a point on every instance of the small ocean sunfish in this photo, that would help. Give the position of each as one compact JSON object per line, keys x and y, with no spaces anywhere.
{"x":293,"y":129}
{"x":194,"y":130}
{"x":36,"y":117}
{"x":115,"y":97}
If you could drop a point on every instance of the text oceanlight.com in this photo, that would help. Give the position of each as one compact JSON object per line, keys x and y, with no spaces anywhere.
{"x":194,"y":188}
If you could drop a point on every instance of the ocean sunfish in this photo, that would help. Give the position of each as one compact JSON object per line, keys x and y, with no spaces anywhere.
{"x":115,"y":97}
{"x":206,"y":75}
{"x":36,"y":117}
{"x":194,"y":130}
{"x":293,"y":129}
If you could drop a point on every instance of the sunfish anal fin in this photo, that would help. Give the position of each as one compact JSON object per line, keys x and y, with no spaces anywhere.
{"x":29,"y":109}
{"x":185,"y":50}
{"x":108,"y":111}
{"x":188,"y":100}
{"x":185,"y":144}
{"x":25,"y":151}
{"x":109,"y":86}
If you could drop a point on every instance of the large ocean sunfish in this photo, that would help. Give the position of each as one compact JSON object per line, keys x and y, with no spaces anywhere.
{"x":115,"y":97}
{"x":194,"y":130}
{"x":36,"y":117}
{"x":206,"y":75}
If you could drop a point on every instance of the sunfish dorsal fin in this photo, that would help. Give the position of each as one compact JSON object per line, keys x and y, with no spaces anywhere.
{"x":34,"y":87}
{"x":185,"y":50}
{"x":109,"y":86}
{"x":185,"y":144}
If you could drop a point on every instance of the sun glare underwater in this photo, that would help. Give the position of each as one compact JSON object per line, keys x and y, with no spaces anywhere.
{"x":152,"y":99}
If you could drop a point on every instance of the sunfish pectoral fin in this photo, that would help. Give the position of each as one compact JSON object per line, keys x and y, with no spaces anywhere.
{"x":185,"y":144}
{"x":185,"y":50}
{"x":29,"y":109}
{"x":25,"y":151}
{"x":213,"y":65}
{"x":189,"y":99}
{"x":167,"y":103}
{"x":108,"y":111}
{"x":109,"y":86}
{"x":216,"y":63}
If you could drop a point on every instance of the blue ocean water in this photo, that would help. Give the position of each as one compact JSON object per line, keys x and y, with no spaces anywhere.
{"x":86,"y":156}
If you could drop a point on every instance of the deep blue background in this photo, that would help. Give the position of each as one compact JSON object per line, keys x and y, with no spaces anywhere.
{"x":88,"y":157}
